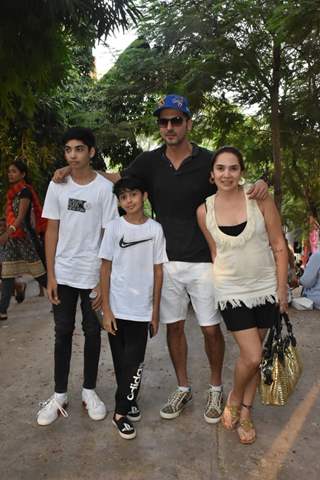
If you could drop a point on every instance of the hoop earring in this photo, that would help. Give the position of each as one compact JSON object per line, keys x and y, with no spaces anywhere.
{"x":241,"y":181}
{"x":211,"y":179}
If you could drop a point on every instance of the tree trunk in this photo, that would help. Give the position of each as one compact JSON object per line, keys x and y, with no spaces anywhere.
{"x":275,"y":124}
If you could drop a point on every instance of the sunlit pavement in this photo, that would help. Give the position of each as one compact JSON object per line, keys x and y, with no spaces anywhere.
{"x":287,"y":447}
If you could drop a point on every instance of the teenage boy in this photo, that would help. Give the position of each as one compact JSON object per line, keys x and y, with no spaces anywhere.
{"x":77,"y":212}
{"x":132,"y":251}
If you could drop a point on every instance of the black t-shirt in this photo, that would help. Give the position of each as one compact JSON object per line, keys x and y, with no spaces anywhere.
{"x":175,"y":196}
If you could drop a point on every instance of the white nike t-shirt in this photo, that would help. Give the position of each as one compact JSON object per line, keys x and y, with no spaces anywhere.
{"x":83,"y":211}
{"x":133,"y":250}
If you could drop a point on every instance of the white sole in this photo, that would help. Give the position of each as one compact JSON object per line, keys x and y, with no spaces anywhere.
{"x":211,"y":420}
{"x":122,"y":435}
{"x":171,"y":416}
{"x":64,"y":406}
{"x":97,"y":419}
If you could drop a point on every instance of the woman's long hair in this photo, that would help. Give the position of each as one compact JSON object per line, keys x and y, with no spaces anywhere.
{"x":22,"y":167}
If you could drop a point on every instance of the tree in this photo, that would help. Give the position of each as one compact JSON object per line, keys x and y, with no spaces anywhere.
{"x":231,"y":47}
{"x":122,"y":110}
{"x":299,"y":22}
{"x":37,"y":43}
{"x":34,"y":38}
{"x":234,"y":52}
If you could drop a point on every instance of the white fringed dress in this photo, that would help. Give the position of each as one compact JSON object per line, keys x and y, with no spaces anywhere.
{"x":244,"y":269}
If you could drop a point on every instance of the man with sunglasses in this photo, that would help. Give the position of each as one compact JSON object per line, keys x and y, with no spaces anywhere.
{"x":177,"y":180}
{"x":176,"y":176}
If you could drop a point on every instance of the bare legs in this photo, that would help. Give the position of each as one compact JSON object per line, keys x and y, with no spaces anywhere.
{"x":246,"y":369}
{"x":214,"y":347}
{"x":246,"y":377}
{"x":178,"y":348}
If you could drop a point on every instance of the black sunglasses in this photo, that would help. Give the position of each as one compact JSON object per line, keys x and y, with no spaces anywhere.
{"x":175,"y":121}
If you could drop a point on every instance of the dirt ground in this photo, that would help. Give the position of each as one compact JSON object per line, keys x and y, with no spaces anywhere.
{"x":76,"y":448}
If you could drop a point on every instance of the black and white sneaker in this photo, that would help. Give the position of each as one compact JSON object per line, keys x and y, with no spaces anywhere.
{"x":134,"y":413}
{"x":125,"y":428}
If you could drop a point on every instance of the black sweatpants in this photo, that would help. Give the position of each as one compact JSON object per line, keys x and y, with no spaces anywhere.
{"x":128,"y":348}
{"x":64,"y":318}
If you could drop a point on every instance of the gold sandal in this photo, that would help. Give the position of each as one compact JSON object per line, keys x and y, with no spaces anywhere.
{"x":245,"y":426}
{"x":230,"y":416}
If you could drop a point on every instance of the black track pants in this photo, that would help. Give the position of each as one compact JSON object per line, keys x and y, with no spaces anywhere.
{"x":128,"y":348}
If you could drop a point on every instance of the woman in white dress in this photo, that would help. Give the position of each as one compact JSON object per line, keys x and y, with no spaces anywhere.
{"x":250,"y":266}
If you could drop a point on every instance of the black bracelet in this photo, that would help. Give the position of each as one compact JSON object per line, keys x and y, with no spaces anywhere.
{"x":265,"y":177}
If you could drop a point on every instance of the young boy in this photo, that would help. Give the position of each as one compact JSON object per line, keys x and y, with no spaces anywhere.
{"x":132,"y":254}
{"x":77,"y":211}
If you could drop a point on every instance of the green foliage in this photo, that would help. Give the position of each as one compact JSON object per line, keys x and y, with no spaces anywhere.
{"x":226,"y":57}
{"x":298,"y":20}
{"x":121,"y":109}
{"x":34,"y":42}
{"x":246,"y":52}
{"x":45,"y":47}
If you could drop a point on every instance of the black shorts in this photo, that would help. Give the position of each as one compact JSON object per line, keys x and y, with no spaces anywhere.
{"x":241,"y":318}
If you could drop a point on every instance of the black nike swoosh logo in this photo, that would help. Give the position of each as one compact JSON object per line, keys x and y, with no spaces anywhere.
{"x":124,"y":244}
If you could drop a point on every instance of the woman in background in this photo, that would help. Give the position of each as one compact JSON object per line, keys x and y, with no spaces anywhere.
{"x":21,"y":252}
{"x":19,"y":285}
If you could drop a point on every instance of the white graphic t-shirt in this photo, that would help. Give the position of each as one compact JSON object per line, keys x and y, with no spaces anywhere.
{"x":133,"y":250}
{"x":83,"y":211}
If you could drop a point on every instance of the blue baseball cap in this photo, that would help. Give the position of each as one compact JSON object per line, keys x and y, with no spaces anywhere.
{"x":176,"y":102}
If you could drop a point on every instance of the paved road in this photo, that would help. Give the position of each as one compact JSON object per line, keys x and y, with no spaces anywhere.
{"x":186,"y":448}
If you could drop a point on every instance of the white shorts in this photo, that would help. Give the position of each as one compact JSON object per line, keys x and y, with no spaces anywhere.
{"x":185,"y":282}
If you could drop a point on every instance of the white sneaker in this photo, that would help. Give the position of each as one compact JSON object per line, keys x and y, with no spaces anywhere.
{"x":52,"y":408}
{"x":96,"y":408}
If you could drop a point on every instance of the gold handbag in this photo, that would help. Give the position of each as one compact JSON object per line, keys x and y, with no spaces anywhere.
{"x":292,"y":357}
{"x":281,"y":365}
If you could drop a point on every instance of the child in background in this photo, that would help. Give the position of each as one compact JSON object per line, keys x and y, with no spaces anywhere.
{"x":132,"y":253}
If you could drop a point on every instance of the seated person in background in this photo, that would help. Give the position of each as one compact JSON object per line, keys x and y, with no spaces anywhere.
{"x":310,"y":280}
